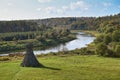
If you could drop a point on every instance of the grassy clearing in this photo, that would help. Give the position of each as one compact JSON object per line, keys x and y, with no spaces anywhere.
{"x":74,"y":31}
{"x":94,"y":33}
{"x":64,"y":68}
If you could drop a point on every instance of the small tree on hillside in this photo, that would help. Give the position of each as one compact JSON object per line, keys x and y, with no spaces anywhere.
{"x":99,"y":39}
{"x":101,"y":49}
{"x":116,"y":36}
{"x":107,"y":39}
{"x":117,"y":50}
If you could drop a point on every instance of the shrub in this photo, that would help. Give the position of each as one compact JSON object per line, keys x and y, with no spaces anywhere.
{"x":101,"y":49}
{"x":107,"y":39}
{"x":116,"y":36}
{"x":40,"y":38}
{"x":117,"y":50}
{"x":99,"y":39}
{"x":4,"y":59}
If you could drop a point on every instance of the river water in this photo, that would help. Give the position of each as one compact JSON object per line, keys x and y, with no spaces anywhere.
{"x":82,"y":39}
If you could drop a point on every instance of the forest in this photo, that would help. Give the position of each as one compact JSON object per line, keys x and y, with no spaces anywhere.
{"x":82,"y":23}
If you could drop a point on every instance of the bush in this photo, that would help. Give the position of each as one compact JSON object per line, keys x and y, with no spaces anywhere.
{"x":117,"y":50}
{"x":107,"y":39}
{"x":101,"y":49}
{"x":116,"y":36}
{"x":99,"y":39}
{"x":4,"y":59}
{"x":40,"y":38}
{"x":109,"y":30}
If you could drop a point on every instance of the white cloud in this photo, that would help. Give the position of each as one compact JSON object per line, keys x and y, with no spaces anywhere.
{"x":39,"y":9}
{"x":79,"y":5}
{"x":9,"y":4}
{"x":62,"y":10}
{"x":107,"y":4}
{"x":44,"y":1}
{"x":50,"y":10}
{"x":53,"y":10}
{"x":47,"y":10}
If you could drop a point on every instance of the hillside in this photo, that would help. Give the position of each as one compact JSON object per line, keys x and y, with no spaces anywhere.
{"x":82,"y":23}
{"x":50,"y":32}
{"x":63,"y":68}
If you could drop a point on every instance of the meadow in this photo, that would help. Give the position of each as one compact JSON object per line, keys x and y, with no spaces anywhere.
{"x":77,"y":67}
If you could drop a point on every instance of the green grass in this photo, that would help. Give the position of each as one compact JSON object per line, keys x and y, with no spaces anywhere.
{"x":94,"y":33}
{"x":64,"y":68}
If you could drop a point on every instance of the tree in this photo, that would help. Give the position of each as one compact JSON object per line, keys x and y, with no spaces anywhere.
{"x":99,"y":39}
{"x":109,"y":29}
{"x":117,"y":50}
{"x":107,"y":39}
{"x":116,"y":36}
{"x":41,"y":38}
{"x":14,"y":39}
{"x":101,"y":49}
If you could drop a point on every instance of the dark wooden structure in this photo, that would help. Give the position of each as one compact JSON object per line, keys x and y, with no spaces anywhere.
{"x":30,"y":59}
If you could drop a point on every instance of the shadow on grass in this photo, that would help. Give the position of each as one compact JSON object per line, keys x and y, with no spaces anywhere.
{"x":45,"y":67}
{"x":41,"y":66}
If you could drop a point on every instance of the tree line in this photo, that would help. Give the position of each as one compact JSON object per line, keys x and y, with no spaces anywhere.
{"x":82,"y":23}
{"x":108,"y":43}
{"x":41,"y":39}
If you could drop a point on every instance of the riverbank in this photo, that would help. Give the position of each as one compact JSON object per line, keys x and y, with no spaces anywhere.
{"x":82,"y":40}
{"x":10,"y":46}
{"x":94,"y":33}
{"x":86,"y":67}
{"x":18,"y":46}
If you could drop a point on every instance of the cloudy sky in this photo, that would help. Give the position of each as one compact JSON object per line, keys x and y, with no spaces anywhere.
{"x":39,"y":9}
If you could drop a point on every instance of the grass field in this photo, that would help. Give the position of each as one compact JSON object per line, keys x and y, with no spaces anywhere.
{"x":63,"y":68}
{"x":94,"y":33}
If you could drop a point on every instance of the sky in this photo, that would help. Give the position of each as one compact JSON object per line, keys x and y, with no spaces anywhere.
{"x":40,"y":9}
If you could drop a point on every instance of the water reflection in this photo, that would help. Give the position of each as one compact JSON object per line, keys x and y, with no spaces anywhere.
{"x":82,"y":40}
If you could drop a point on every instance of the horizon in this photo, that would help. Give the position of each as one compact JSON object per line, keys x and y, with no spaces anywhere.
{"x":45,"y":9}
{"x":60,"y":17}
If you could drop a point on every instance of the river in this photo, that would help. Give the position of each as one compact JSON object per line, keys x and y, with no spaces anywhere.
{"x":82,"y":39}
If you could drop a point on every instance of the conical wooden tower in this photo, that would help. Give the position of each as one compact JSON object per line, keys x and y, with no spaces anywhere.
{"x":30,"y":59}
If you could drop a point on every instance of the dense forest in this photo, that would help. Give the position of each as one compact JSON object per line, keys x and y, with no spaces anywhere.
{"x":41,"y":39}
{"x":82,"y":23}
{"x":108,"y":43}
